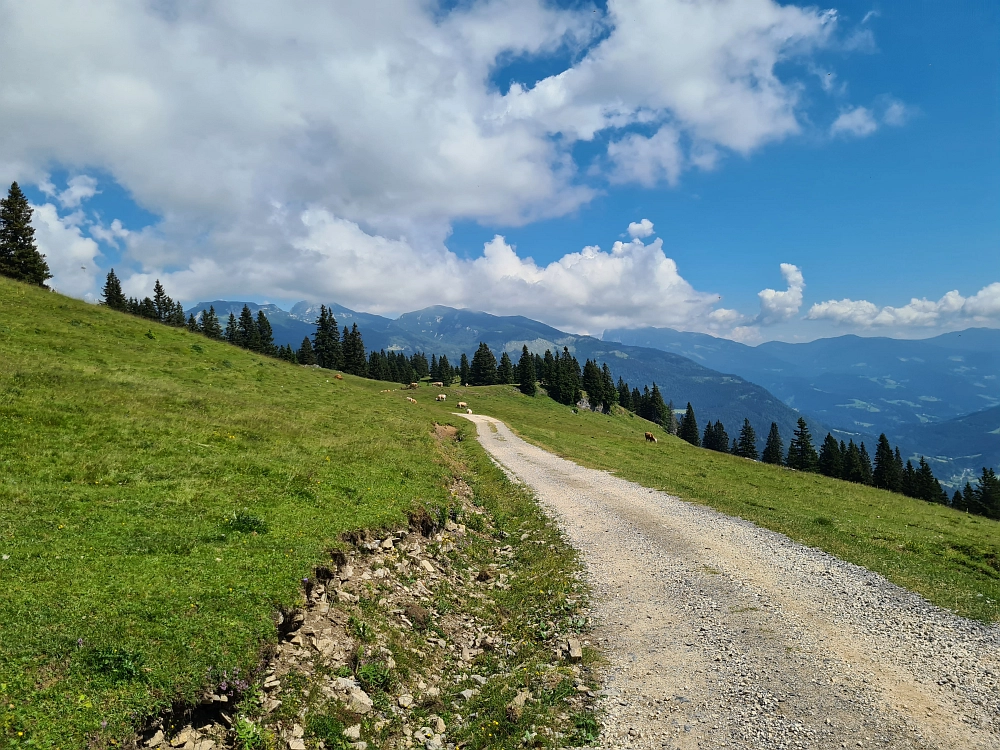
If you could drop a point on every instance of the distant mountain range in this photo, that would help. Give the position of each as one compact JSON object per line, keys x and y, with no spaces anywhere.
{"x":924,"y":394}
{"x":445,"y":330}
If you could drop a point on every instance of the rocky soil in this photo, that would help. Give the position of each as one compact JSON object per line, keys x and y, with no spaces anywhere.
{"x":719,"y":634}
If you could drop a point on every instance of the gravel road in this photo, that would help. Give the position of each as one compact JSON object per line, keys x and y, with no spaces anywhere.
{"x":720,"y":634}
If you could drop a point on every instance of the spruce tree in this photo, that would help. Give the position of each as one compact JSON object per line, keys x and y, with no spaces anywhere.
{"x":446,"y":373}
{"x":801,"y":454}
{"x":624,"y":394}
{"x":610,"y":396}
{"x":265,"y":335}
{"x":112,"y":295}
{"x":19,"y":257}
{"x":593,"y":384}
{"x":866,"y":465}
{"x":247,"y":335}
{"x":192,"y":324}
{"x":305,"y":355}
{"x":885,"y":475}
{"x":747,"y":444}
{"x":210,"y":325}
{"x":569,"y":379}
{"x":547,"y":372}
{"x":851,"y":468}
{"x":688,"y":429}
{"x":463,"y":370}
{"x":526,"y":372}
{"x":327,"y":345}
{"x":355,"y":361}
{"x":161,"y":302}
{"x":659,"y":412}
{"x":908,"y":484}
{"x":773,"y":449}
{"x":505,"y":370}
{"x":986,"y":496}
{"x":484,"y":366}
{"x":830,"y":460}
{"x":232,"y":333}
{"x":636,"y":401}
{"x":176,"y":316}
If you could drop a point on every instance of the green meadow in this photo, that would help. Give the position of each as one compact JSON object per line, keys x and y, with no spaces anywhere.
{"x":950,"y":558}
{"x":161,"y":496}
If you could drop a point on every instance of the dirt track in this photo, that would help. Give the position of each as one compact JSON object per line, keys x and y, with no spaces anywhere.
{"x":722,"y":634}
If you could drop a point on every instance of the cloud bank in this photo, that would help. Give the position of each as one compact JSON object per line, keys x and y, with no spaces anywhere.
{"x":982,"y":307}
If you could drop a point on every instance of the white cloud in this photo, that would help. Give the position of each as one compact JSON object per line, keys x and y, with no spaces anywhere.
{"x":78,"y":189}
{"x":776,"y":306}
{"x":647,"y":161}
{"x":111,"y":233}
{"x":857,"y":122}
{"x":982,"y":307}
{"x":896,"y":113}
{"x":70,"y":255}
{"x":640,"y":229}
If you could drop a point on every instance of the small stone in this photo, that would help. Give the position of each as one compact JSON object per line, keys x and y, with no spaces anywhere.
{"x":271,"y":704}
{"x":156,"y":739}
{"x":575,"y":650}
{"x":387,"y":544}
{"x":516,"y":707}
{"x":478,"y":678}
{"x":405,"y":701}
{"x":353,"y":732}
{"x":205,"y":745}
{"x":424,"y":565}
{"x":358,"y":702}
{"x":297,"y":744}
{"x":346,"y":573}
{"x":433,"y":692}
{"x":359,"y":745}
{"x":439,"y":725}
{"x":467,"y":694}
{"x":297,"y":730}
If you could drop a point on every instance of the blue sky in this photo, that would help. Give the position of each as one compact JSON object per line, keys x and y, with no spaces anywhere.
{"x":857,"y":146}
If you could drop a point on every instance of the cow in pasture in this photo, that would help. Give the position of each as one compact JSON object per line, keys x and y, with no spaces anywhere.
{"x":414,"y":386}
{"x":438,"y":384}
{"x":338,"y":376}
{"x":462,"y":405}
{"x":468,"y":411}
{"x":441,"y":397}
{"x":411,"y":400}
{"x":650,"y":437}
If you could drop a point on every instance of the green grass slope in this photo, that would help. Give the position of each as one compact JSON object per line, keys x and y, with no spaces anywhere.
{"x":125,"y":451}
{"x":950,"y":558}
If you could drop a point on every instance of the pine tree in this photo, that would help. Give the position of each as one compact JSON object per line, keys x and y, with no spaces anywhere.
{"x":610,"y":395}
{"x":446,"y":373}
{"x":112,"y":294}
{"x":326,"y":343}
{"x":247,"y":335}
{"x":547,"y":372}
{"x":716,"y":438}
{"x":659,"y":412}
{"x":851,"y":468}
{"x":505,"y":371}
{"x":624,"y":394}
{"x":161,"y":302}
{"x":210,"y":324}
{"x":232,"y":333}
{"x":265,"y":335}
{"x":568,"y":375}
{"x":801,"y":454}
{"x":355,"y":361}
{"x":688,"y":429}
{"x":636,"y":400}
{"x":19,"y":257}
{"x":866,"y":465}
{"x":773,"y":449}
{"x":176,"y":316}
{"x":592,"y":384}
{"x":671,"y":418}
{"x":420,"y":366}
{"x":526,"y":372}
{"x":484,"y":366}
{"x":965,"y":500}
{"x":885,"y":475}
{"x":192,"y":324}
{"x":926,"y":486}
{"x":463,"y":370}
{"x":747,"y":445}
{"x":908,"y":484}
{"x":435,"y":372}
{"x":830,"y":460}
{"x":986,"y":496}
{"x":305,"y":354}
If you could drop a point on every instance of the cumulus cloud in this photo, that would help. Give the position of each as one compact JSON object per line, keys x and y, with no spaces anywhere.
{"x":776,"y":306}
{"x":982,"y":307}
{"x":640,"y":229}
{"x":71,"y":256}
{"x":857,"y":122}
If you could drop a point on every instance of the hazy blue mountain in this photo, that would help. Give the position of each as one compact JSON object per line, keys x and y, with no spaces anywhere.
{"x":863,"y":385}
{"x":445,"y":330}
{"x":961,"y":447}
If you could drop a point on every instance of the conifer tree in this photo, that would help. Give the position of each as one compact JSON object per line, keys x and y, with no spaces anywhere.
{"x":688,"y":428}
{"x":435,"y":370}
{"x":964,"y":500}
{"x":568,"y":376}
{"x":885,"y":475}
{"x":505,"y":370}
{"x":610,"y":393}
{"x":851,"y":464}
{"x":305,"y":355}
{"x":830,"y":460}
{"x":112,"y":295}
{"x":446,"y":373}
{"x":420,"y":366}
{"x":801,"y":454}
{"x":176,"y":316}
{"x":19,"y":257}
{"x":773,"y":449}
{"x":210,"y":325}
{"x":247,"y":335}
{"x":232,"y":333}
{"x":636,"y":400}
{"x":463,"y":370}
{"x":986,"y":496}
{"x":192,"y":324}
{"x":161,"y":302}
{"x":548,"y":369}
{"x":484,"y":366}
{"x":593,"y":384}
{"x":866,"y":464}
{"x":526,"y":372}
{"x":671,"y":418}
{"x":747,"y":444}
{"x":265,"y":335}
{"x":926,"y":487}
{"x":659,"y":412}
{"x":327,"y":347}
{"x":908,"y":485}
{"x":355,"y":361}
{"x":624,"y":394}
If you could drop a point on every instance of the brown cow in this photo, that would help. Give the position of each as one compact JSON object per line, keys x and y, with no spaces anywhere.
{"x":414,"y":386}
{"x":411,"y":400}
{"x":650,"y":437}
{"x":338,"y":376}
{"x":437,"y":384}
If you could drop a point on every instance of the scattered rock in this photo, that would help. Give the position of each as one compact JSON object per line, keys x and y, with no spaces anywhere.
{"x":358,"y":702}
{"x":575,"y":649}
{"x":156,"y":739}
{"x":353,"y":732}
{"x":516,"y":707}
{"x":405,"y":701}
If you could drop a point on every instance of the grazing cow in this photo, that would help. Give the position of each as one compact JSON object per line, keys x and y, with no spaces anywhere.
{"x":441,"y":397}
{"x":414,"y":386}
{"x":468,"y":411}
{"x":411,"y":400}
{"x":462,"y":405}
{"x":438,"y":384}
{"x":650,"y":437}
{"x":338,"y":376}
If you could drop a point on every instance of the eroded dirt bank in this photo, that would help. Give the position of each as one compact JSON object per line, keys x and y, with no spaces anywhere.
{"x":722,"y":634}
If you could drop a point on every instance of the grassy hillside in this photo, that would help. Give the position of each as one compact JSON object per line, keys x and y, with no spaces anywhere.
{"x":160,"y":496}
{"x":951,"y":558}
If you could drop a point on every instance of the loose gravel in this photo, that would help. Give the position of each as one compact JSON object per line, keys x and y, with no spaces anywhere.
{"x":720,"y":634}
